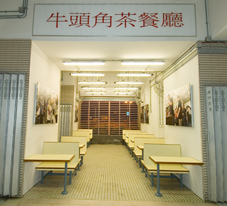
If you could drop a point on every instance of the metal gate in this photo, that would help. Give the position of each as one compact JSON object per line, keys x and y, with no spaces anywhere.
{"x":216,"y":109}
{"x":65,"y":120}
{"x":109,"y":117}
{"x":11,"y":113}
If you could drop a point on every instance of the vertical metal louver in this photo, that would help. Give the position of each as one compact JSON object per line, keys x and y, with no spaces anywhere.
{"x":217,"y":143}
{"x":212,"y":59}
{"x":15,"y":60}
{"x":11,"y":115}
{"x":109,"y":117}
{"x":65,"y":120}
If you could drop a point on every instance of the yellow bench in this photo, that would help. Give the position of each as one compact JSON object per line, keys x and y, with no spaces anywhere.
{"x":83,"y":133}
{"x":90,"y":130}
{"x":81,"y":140}
{"x":139,"y":141}
{"x":132,"y":136}
{"x":124,"y":133}
{"x":57,"y":168}
{"x":171,"y":150}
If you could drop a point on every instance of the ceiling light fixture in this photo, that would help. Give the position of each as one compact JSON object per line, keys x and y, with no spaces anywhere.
{"x":83,"y":62}
{"x":128,"y":82}
{"x":93,"y":88}
{"x":126,"y":88}
{"x":134,"y":75}
{"x":142,"y":62}
{"x":95,"y":92}
{"x":126,"y":93}
{"x":88,"y":74}
{"x":92,"y":82}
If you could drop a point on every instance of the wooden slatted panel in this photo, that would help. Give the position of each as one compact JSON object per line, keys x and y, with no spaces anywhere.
{"x":94,"y":116}
{"x":114,"y":118}
{"x":109,"y":117}
{"x":124,"y":118}
{"x":84,"y":115}
{"x":104,"y":118}
{"x":134,"y":124}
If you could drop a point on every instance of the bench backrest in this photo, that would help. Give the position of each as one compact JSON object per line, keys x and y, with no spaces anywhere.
{"x":90,"y":130}
{"x":62,"y":148}
{"x":132,"y":136}
{"x":82,"y":134}
{"x":142,"y":140}
{"x":132,"y":133}
{"x":160,"y":150}
{"x":81,"y":140}
{"x":124,"y":133}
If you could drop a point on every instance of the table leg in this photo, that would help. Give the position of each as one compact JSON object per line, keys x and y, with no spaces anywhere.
{"x":65,"y":181}
{"x":158,"y":182}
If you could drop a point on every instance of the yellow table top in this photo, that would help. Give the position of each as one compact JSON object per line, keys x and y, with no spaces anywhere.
{"x":81,"y":146}
{"x":141,"y":147}
{"x":49,"y":158}
{"x":175,"y":160}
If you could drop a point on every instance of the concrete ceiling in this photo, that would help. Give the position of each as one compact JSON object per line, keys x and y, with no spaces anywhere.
{"x":113,"y":52}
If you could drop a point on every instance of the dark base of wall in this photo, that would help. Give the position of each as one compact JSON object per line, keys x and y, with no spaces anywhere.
{"x":107,"y":139}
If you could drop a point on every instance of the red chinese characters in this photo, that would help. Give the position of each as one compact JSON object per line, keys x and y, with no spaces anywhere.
{"x":149,"y":19}
{"x":125,"y":20}
{"x":103,"y":19}
{"x":56,"y":19}
{"x":79,"y":19}
{"x":172,"y":19}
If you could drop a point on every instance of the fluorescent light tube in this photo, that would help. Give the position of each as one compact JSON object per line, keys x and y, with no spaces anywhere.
{"x":124,"y":93}
{"x":134,"y":75}
{"x":126,"y":88}
{"x":83,"y":62}
{"x":128,"y":82}
{"x":92,"y":82}
{"x":88,"y":74}
{"x":142,"y":62}
{"x":93,"y":88}
{"x":95,"y":92}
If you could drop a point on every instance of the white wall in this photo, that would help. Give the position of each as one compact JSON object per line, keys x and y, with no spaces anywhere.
{"x":189,"y":137}
{"x":217,"y":19}
{"x":42,"y":70}
{"x":22,"y":28}
{"x":153,"y":126}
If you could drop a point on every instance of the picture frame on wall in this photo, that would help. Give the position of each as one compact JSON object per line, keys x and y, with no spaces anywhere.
{"x":178,"y":107}
{"x":46,"y":105}
{"x":145,"y":114}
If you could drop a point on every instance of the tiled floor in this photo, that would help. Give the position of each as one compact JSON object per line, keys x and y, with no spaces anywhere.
{"x":67,"y":202}
{"x":109,"y":177}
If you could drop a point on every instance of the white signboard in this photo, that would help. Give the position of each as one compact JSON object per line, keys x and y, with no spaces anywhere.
{"x":116,"y":20}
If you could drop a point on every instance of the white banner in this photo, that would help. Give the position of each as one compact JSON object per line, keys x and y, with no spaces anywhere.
{"x":115,"y":20}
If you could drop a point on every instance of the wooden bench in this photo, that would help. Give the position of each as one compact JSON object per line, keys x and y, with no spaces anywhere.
{"x":81,"y":140}
{"x":84,"y":133}
{"x":90,"y":130}
{"x":124,"y":133}
{"x":139,"y":141}
{"x":130,"y":132}
{"x":132,"y":136}
{"x":57,"y":168}
{"x":171,"y":150}
{"x":127,"y":139}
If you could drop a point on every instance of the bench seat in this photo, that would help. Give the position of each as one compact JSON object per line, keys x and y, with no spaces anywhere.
{"x":169,"y":150}
{"x":166,"y":168}
{"x":60,"y":148}
{"x":137,"y":154}
{"x":60,"y":166}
